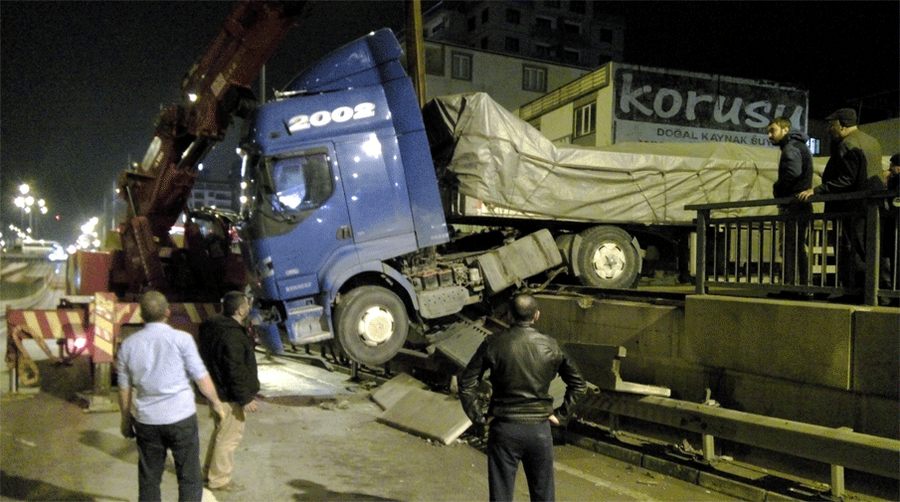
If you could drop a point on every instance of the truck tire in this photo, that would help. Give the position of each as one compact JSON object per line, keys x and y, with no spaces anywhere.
{"x":371,"y":324}
{"x":608,"y":258}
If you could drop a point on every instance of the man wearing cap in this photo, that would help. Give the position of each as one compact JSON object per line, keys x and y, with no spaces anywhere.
{"x":854,"y":165}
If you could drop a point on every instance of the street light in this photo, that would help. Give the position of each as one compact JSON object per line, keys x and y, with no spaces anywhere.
{"x":26,"y":201}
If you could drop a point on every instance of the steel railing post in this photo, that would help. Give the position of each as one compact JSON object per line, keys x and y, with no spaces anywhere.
{"x":870,"y":295}
{"x":702,"y":217}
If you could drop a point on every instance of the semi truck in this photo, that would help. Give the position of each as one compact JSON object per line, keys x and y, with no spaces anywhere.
{"x":346,"y":220}
{"x":344,"y":225}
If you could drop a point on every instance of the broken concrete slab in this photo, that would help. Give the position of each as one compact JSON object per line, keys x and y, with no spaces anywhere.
{"x":427,"y":414}
{"x":600,"y":365}
{"x":394,"y":389}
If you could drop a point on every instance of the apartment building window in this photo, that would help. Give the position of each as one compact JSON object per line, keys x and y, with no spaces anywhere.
{"x":543,"y":24}
{"x":512,"y":44}
{"x":470,"y":24}
{"x":585,"y":120}
{"x":434,"y":60}
{"x":571,"y":28}
{"x":513,"y":16}
{"x":543,"y":51}
{"x":484,"y":43}
{"x":534,"y":78}
{"x":578,"y":7}
{"x":461,"y":66}
{"x":570,"y":56}
{"x":606,"y":35}
{"x":438,"y":28}
{"x":485,"y":16}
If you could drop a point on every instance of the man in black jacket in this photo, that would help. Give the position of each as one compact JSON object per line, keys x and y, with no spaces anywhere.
{"x":795,"y":172}
{"x":227,"y":350}
{"x":522,"y":363}
{"x":854,"y":165}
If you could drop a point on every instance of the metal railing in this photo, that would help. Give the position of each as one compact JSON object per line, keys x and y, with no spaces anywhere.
{"x":806,"y":253}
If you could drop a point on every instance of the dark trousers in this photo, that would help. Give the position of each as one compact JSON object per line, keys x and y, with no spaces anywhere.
{"x":795,"y":260}
{"x":153,"y":441}
{"x":532,"y":444}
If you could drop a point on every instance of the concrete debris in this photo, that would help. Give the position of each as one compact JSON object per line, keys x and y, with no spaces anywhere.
{"x":600,"y":365}
{"x":427,"y":414}
{"x":394,"y":389}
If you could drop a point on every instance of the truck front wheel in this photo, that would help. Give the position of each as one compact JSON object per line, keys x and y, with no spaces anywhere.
{"x":607,"y":258}
{"x":371,"y":324}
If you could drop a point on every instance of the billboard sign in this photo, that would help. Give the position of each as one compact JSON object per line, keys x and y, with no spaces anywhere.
{"x":656,"y":105}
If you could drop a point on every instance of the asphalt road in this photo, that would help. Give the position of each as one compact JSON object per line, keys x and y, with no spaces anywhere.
{"x":315,"y":438}
{"x":317,"y":442}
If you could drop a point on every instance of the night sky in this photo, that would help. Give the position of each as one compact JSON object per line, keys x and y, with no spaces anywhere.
{"x":82,"y":82}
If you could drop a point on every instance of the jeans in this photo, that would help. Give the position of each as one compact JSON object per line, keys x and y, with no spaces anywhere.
{"x":153,"y":441}
{"x":532,"y":444}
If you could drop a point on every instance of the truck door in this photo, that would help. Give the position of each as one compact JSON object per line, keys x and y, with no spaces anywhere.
{"x":377,"y":197}
{"x":302,"y":220}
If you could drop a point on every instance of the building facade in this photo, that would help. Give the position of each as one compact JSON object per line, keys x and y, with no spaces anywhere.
{"x":620,"y":103}
{"x":510,"y":80}
{"x":570,"y":32}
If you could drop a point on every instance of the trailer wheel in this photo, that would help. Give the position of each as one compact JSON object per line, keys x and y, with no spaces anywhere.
{"x":371,"y":324}
{"x":608,"y":258}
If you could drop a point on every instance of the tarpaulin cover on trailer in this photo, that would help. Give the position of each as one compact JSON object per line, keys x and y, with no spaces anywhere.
{"x":508,"y":164}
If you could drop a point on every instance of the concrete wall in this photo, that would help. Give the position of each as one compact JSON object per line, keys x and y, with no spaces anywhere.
{"x":831,"y":365}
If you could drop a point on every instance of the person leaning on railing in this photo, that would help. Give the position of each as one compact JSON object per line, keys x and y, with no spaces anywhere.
{"x":854,"y":165}
{"x":795,"y":170}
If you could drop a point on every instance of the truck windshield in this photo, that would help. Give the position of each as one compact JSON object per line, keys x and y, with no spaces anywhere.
{"x":299,"y":183}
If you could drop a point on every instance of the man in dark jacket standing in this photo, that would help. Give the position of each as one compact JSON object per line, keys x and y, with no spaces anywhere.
{"x":854,"y":165}
{"x":227,"y":350}
{"x":522,"y":363}
{"x":795,"y":171}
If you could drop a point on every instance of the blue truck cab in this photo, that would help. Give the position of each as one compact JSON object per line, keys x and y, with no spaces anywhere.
{"x":343,"y":210}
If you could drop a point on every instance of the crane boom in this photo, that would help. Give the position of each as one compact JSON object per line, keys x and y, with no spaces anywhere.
{"x":215,"y":89}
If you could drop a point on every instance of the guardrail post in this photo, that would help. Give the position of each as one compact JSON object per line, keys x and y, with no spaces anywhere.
{"x":837,"y":481}
{"x":709,"y":447}
{"x":838,"y":488}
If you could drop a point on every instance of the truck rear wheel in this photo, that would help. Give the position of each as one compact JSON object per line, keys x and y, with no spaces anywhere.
{"x":607,"y":258}
{"x":371,"y":324}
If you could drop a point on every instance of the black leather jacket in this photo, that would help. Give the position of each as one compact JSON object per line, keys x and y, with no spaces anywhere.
{"x":522,"y":363}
